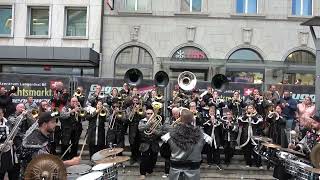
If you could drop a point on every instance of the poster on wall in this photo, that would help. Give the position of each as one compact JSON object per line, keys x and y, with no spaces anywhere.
{"x":39,"y":87}
{"x":298,"y":92}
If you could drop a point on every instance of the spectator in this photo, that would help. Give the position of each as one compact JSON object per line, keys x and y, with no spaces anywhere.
{"x":30,"y":104}
{"x":289,"y":107}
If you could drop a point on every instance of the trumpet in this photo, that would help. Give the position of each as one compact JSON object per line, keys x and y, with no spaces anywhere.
{"x":103,"y":112}
{"x":77,"y":93}
{"x":82,"y":112}
{"x":273,"y":114}
{"x":251,"y":114}
{"x":236,"y":101}
{"x":35,"y":113}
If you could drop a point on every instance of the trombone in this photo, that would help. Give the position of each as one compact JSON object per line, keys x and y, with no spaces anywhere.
{"x":115,"y":115}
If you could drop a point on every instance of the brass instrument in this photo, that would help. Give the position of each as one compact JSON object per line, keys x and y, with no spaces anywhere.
{"x":219,"y":81}
{"x":103,"y":112}
{"x":77,"y":93}
{"x":56,"y":110}
{"x":251,"y":114}
{"x":236,"y":101}
{"x":187,"y":80}
{"x":161,"y":79}
{"x":134,"y":111}
{"x":273,"y":114}
{"x":115,"y":115}
{"x":133,"y":77}
{"x":155,"y":120}
{"x":177,"y":121}
{"x":35,"y":113}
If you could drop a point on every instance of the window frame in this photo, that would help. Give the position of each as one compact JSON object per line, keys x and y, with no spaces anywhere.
{"x":29,"y":35}
{"x":301,"y":9}
{"x":136,"y":6}
{"x":246,"y":8}
{"x":12,"y":19}
{"x":66,"y":22}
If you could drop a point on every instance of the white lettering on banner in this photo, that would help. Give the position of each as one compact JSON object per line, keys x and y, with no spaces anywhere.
{"x":16,"y":101}
{"x":104,"y":89}
{"x":300,"y":97}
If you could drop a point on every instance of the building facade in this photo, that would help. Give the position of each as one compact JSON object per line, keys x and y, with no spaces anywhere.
{"x":60,"y":37}
{"x":251,"y":41}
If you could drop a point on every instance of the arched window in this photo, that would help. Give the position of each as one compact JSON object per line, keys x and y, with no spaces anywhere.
{"x":245,"y":74}
{"x":189,"y":52}
{"x":301,"y":57}
{"x":245,"y":54}
{"x":134,"y":57}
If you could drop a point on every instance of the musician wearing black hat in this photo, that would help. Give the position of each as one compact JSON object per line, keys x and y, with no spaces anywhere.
{"x":8,"y":156}
{"x":38,"y":141}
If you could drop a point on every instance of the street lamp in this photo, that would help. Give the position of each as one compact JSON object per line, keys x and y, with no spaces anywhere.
{"x":313,"y":23}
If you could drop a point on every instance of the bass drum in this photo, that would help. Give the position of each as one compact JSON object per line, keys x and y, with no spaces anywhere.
{"x":76,"y":171}
{"x":109,"y":170}
{"x":92,"y":176}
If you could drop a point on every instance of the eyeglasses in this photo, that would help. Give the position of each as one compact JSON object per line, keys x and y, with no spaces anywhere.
{"x":149,"y":113}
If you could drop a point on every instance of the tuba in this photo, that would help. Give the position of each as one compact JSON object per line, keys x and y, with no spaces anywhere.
{"x":155,"y":120}
{"x":187,"y":80}
{"x":161,"y":79}
{"x":133,"y":77}
{"x":219,"y":81}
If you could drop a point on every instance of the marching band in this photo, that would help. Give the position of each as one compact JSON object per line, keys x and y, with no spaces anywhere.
{"x":237,"y":123}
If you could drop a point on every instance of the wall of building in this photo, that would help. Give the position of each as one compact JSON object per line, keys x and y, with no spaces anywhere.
{"x":219,"y":31}
{"x":56,"y":36}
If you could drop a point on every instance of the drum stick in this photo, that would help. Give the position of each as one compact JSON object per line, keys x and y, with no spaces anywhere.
{"x":84,"y":143}
{"x":66,"y":151}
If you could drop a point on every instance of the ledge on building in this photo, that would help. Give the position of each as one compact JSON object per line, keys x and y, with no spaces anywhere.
{"x":248,"y":16}
{"x":134,"y":13}
{"x":6,"y":36}
{"x":197,"y":14}
{"x":75,"y":37}
{"x":298,"y":18}
{"x":37,"y":37}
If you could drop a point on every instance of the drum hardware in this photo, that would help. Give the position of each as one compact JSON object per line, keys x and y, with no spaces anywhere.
{"x":293,"y":151}
{"x":187,"y":80}
{"x":262,"y":139}
{"x":109,"y":170}
{"x":115,"y":160}
{"x":77,"y":171}
{"x":270,"y":145}
{"x":106,"y":153}
{"x":46,"y":166}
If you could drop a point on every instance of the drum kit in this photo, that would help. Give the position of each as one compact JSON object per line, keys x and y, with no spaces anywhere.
{"x":105,"y":166}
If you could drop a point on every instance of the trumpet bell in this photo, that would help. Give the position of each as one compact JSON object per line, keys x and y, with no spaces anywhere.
{"x":103,"y":113}
{"x":82,"y":113}
{"x":219,"y":81}
{"x":156,"y":105}
{"x":187,"y":80}
{"x":35,"y":113}
{"x":133,"y":77}
{"x":161,"y":79}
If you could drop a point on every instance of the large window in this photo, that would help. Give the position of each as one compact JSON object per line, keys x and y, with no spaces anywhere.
{"x":191,"y":5}
{"x":76,"y":21}
{"x":137,"y":5}
{"x":300,"y":58}
{"x":189,"y":53}
{"x":38,"y":21}
{"x":134,"y":56}
{"x":5,"y":20}
{"x":249,"y":75}
{"x":302,"y":7}
{"x":247,"y":6}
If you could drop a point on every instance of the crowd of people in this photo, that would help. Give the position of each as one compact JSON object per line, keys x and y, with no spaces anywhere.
{"x":198,"y":123}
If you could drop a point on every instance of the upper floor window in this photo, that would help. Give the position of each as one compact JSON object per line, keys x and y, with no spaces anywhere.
{"x":39,"y":21}
{"x":302,"y":7}
{"x":301,"y":57}
{"x":245,"y":54}
{"x":191,"y":5}
{"x":76,"y":19}
{"x":247,"y":6}
{"x":137,"y":5}
{"x":5,"y":20}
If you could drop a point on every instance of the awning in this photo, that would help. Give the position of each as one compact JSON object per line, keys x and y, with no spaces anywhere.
{"x":60,"y":56}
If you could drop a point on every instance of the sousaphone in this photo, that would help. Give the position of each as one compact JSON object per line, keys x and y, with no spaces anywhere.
{"x":219,"y":81}
{"x":187,"y":80}
{"x":133,"y":77}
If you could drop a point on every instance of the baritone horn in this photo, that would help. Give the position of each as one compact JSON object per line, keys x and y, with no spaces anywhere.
{"x":187,"y":80}
{"x":133,"y":77}
{"x":219,"y":81}
{"x":155,"y":120}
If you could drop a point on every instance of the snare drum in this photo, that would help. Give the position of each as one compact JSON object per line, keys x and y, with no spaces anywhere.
{"x":77,"y":170}
{"x":109,"y":169}
{"x":97,"y":175}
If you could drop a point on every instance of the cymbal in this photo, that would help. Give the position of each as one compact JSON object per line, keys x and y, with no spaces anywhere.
{"x":292,"y":151}
{"x":117,"y":159}
{"x":46,"y":166}
{"x":261,"y":138}
{"x":314,"y":156}
{"x":106,"y":153}
{"x":313,"y":170}
{"x":270,"y":145}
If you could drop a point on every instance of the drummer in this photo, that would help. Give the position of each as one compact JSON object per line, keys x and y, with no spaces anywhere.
{"x":37,"y":142}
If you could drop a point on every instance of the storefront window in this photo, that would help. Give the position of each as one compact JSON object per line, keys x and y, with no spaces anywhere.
{"x":300,"y":58}
{"x":134,"y":56}
{"x":249,"y":75}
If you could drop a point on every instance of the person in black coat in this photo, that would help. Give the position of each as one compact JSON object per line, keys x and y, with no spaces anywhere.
{"x":213,"y":128}
{"x":236,"y":104}
{"x":6,"y":101}
{"x":230,"y":132}
{"x":96,"y":129}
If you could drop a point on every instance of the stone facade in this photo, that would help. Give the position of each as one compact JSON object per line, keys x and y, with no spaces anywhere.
{"x":217,"y":30}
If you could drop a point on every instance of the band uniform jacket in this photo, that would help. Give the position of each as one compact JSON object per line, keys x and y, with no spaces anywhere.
{"x":250,"y":127}
{"x":60,"y":101}
{"x":8,"y":159}
{"x":133,"y":125}
{"x":236,"y":108}
{"x":230,"y":131}
{"x":96,"y":129}
{"x":149,"y":141}
{"x":34,"y":144}
{"x":69,"y":123}
{"x":93,"y":98}
{"x":199,"y":119}
{"x":119,"y":123}
{"x":277,"y":128}
{"x":24,"y":126}
{"x":214,"y":131}
{"x":81,"y":99}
